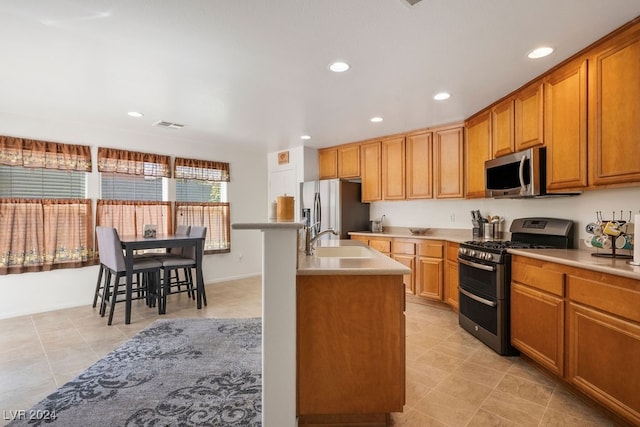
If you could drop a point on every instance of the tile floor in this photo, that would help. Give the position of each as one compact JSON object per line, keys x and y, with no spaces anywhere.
{"x":452,"y":379}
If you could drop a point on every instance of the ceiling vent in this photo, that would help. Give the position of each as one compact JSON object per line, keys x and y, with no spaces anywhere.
{"x":412,"y":2}
{"x":171,"y":125}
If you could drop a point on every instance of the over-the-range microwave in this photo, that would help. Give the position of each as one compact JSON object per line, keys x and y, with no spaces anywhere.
{"x":518,"y":175}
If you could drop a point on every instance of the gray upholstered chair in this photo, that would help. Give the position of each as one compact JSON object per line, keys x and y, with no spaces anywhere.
{"x":186,"y":262}
{"x":113,"y":261}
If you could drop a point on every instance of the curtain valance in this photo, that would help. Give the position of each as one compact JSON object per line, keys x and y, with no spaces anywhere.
{"x":32,"y":153}
{"x":201,"y":170}
{"x":133,"y":163}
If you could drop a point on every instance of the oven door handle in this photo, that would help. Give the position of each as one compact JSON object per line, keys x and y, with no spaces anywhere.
{"x":477,"y":298}
{"x":476,"y":265}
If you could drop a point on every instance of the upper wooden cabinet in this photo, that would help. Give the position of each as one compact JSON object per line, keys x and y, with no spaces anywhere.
{"x":328,"y":163}
{"x":503,"y":128}
{"x":614,"y":110}
{"x":393,"y":169}
{"x":419,"y":160}
{"x":349,"y":161}
{"x":371,"y":159}
{"x":529,"y":118}
{"x":477,"y":151}
{"x":565,"y":114}
{"x":449,"y":162}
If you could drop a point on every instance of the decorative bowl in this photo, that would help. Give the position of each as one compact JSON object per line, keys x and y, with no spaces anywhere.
{"x":418,"y":230}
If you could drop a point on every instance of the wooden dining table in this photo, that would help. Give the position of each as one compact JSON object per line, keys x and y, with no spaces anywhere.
{"x":130,"y":244}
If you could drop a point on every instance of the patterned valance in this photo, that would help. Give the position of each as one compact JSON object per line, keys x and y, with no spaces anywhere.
{"x":44,"y":154}
{"x":201,"y":170}
{"x":133,"y":163}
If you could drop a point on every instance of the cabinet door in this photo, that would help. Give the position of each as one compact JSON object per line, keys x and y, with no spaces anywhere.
{"x":328,"y":163}
{"x":349,"y":161}
{"x":371,"y":173}
{"x":393,"y":162}
{"x":502,"y":117}
{"x":451,"y":283}
{"x":565,"y":114}
{"x":410,"y":262}
{"x":449,"y":162}
{"x":477,"y":151}
{"x":603,"y":359}
{"x":419,"y":148}
{"x":430,"y":280}
{"x":614,"y":112}
{"x":537,"y":326}
{"x":529,"y":117}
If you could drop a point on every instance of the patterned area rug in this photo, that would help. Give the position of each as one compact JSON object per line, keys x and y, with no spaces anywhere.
{"x":187,"y":372}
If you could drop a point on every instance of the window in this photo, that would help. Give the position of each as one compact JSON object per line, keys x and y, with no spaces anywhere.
{"x":117,"y":186}
{"x":201,"y":200}
{"x":45,"y":219}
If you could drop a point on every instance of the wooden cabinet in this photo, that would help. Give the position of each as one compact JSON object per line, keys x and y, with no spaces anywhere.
{"x":477,"y":151}
{"x":381,"y":244}
{"x":430,"y":266}
{"x":503,"y":128}
{"x":349,"y":161}
{"x":565,"y":111}
{"x":370,"y":154}
{"x":404,"y":252}
{"x":449,"y":162}
{"x":393,"y":169}
{"x":350,"y":346}
{"x":451,"y":277}
{"x":419,"y":161}
{"x":537,"y":311}
{"x":328,"y":163}
{"x":529,"y":117}
{"x":604,"y":340}
{"x":614,"y":111}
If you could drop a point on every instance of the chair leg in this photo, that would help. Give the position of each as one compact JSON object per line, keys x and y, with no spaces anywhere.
{"x":106,"y":293}
{"x":114,"y":297}
{"x":95,"y":295}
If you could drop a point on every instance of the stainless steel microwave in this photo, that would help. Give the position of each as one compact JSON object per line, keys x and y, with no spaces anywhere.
{"x":521,"y":174}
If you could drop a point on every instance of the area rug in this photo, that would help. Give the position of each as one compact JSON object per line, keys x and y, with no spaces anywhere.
{"x":178,"y":372}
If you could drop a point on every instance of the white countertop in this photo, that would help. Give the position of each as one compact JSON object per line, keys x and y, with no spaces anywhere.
{"x":580,"y":258}
{"x":377,"y":264}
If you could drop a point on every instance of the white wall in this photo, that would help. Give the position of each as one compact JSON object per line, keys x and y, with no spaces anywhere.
{"x":43,"y":291}
{"x":581,"y":209}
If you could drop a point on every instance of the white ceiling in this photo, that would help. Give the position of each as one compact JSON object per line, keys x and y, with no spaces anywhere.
{"x":254,"y":73}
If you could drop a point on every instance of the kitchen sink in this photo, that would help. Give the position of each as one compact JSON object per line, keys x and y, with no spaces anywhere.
{"x":343,"y":252}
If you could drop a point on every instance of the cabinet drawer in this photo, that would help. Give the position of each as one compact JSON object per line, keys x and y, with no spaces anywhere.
{"x":537,"y":276}
{"x":382,"y":245}
{"x":432,"y":249}
{"x":452,"y":251}
{"x":613,"y":294}
{"x":400,"y":247}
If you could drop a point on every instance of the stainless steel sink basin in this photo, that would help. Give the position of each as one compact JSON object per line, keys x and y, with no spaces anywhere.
{"x":343,"y":252}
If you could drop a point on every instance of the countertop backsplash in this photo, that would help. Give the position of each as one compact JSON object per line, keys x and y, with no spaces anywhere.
{"x":438,"y":213}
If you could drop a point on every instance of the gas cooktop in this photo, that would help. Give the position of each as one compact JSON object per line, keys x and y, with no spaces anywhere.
{"x":501,"y":245}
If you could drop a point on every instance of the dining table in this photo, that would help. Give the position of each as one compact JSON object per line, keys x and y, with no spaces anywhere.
{"x":131,"y":244}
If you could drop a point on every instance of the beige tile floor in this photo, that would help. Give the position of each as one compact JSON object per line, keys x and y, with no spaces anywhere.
{"x":452,"y":379}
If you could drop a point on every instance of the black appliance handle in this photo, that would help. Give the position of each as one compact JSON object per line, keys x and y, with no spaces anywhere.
{"x":476,"y":265}
{"x":477,"y":298}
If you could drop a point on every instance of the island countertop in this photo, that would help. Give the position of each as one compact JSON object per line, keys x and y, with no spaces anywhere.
{"x":376,"y":264}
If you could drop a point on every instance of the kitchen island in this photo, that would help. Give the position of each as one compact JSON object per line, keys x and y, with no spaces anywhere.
{"x":350,"y":335}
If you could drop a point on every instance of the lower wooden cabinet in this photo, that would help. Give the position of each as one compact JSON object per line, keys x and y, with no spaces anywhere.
{"x":451,"y":276}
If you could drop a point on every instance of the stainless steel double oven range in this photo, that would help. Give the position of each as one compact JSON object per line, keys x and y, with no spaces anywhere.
{"x":485,"y":277}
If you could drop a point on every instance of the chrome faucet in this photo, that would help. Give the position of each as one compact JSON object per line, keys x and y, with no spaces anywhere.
{"x":309,"y":241}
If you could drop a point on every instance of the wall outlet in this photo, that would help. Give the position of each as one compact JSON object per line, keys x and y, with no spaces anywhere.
{"x":240,"y":257}
{"x":452,"y":217}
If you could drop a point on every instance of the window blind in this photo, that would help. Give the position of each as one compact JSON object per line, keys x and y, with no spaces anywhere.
{"x":18,"y":181}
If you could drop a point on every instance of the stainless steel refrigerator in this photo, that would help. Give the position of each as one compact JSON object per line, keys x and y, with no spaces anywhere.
{"x":334,"y":203}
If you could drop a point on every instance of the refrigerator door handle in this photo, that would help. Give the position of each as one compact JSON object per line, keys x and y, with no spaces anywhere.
{"x":317,"y":211}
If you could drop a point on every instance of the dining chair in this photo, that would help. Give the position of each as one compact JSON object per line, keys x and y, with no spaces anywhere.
{"x":186,"y":262}
{"x":113,"y":260}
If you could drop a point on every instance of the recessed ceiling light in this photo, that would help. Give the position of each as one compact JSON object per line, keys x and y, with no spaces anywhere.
{"x":375,"y":119}
{"x":339,"y":67}
{"x":442,"y":96}
{"x":305,"y":137}
{"x":135,"y":114}
{"x":540,"y":52}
